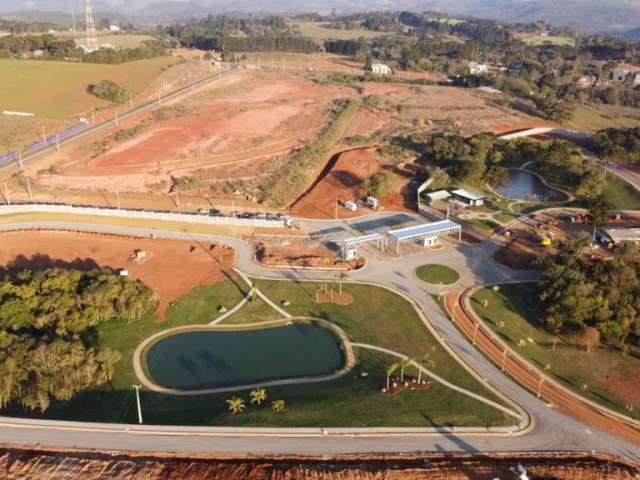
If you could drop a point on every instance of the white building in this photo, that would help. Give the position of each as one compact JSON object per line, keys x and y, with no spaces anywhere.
{"x":476,"y":68}
{"x":468,"y":198}
{"x":381,"y":69}
{"x":114,"y":28}
{"x":622,"y":72}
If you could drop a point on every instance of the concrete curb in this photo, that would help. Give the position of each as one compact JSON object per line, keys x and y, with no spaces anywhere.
{"x":466,"y":298}
{"x":347,"y":349}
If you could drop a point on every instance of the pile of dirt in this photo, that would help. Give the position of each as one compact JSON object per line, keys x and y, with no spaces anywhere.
{"x":172,"y":268}
{"x":28,"y":464}
{"x":300,"y":254}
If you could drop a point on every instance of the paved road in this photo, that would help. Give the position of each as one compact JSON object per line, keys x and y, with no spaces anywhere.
{"x":552,"y":431}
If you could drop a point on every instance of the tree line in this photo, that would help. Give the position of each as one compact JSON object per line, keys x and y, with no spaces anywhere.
{"x":53,"y":48}
{"x":49,"y":348}
{"x":579,"y":293}
{"x":618,"y":145}
{"x":240,"y":34}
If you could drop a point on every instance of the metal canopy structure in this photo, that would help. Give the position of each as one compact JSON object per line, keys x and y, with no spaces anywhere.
{"x":428,"y":230}
{"x":348,"y":246}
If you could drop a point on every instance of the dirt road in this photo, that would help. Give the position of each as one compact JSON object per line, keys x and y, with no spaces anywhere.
{"x":528,"y":377}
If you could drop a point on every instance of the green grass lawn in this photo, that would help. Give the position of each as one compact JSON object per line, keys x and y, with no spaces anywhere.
{"x":514,"y":313}
{"x":537,"y":40}
{"x":122,"y":40}
{"x":437,"y":274}
{"x":59,"y":89}
{"x":485,"y":224}
{"x":376,"y":316}
{"x":591,"y":119}
{"x":317,"y":31}
{"x":620,"y":194}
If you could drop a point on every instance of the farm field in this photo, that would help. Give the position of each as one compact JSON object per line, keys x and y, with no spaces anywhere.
{"x":124,"y":40}
{"x":59,"y":89}
{"x":514,"y":314}
{"x":317,"y":31}
{"x":536,"y":40}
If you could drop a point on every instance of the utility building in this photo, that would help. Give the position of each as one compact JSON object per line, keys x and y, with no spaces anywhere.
{"x":468,"y":198}
{"x":614,"y":237}
{"x":381,"y":69}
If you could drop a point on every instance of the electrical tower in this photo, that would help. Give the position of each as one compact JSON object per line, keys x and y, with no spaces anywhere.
{"x":90,"y":26}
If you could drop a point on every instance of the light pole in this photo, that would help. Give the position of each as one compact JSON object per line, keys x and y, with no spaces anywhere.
{"x":137,"y":388}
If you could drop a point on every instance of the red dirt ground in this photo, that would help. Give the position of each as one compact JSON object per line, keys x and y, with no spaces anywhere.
{"x":300,"y":254}
{"x":172,"y":268}
{"x":228,"y":131}
{"x":343,"y":183}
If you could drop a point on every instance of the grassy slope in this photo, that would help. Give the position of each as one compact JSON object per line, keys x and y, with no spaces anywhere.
{"x":317,"y":32}
{"x":59,"y":89}
{"x":518,"y":307}
{"x":435,"y":274}
{"x":537,"y":40}
{"x":589,"y":119}
{"x":377,"y":316}
{"x":621,"y":195}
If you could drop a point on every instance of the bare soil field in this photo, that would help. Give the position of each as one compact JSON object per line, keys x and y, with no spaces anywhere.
{"x":221,"y":142}
{"x":343,"y":182}
{"x":300,"y":254}
{"x":171,"y":268}
{"x":225,"y":133}
{"x":27,"y":464}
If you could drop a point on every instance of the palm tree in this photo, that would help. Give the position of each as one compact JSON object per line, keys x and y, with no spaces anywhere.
{"x":403,"y":364}
{"x":278,"y":406}
{"x":341,"y":277}
{"x":258,"y":396}
{"x":425,"y":361}
{"x":236,"y":405}
{"x":390,"y":371}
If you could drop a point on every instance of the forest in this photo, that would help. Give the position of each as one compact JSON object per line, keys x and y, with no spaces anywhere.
{"x":580,"y":294}
{"x":49,"y":348}
{"x":618,"y":145}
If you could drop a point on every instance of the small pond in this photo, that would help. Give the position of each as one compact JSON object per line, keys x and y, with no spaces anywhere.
{"x":526,"y":186}
{"x":198,"y":360}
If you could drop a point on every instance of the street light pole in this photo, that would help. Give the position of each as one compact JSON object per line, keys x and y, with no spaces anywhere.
{"x":137,"y":388}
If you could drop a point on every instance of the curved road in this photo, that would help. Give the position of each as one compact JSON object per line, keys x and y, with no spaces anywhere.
{"x":552,"y":430}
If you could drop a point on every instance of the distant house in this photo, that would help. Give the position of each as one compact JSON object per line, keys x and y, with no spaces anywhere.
{"x":114,"y":28}
{"x":489,"y":91}
{"x":381,"y":69}
{"x":468,"y":198}
{"x":586,"y":81}
{"x":624,"y":72}
{"x":476,"y":68}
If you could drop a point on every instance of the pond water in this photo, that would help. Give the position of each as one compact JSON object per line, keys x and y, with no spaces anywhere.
{"x":217,"y":359}
{"x":526,"y":186}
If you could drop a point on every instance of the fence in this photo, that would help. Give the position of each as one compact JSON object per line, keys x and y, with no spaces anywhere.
{"x":51,"y":139}
{"x":182,"y":217}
